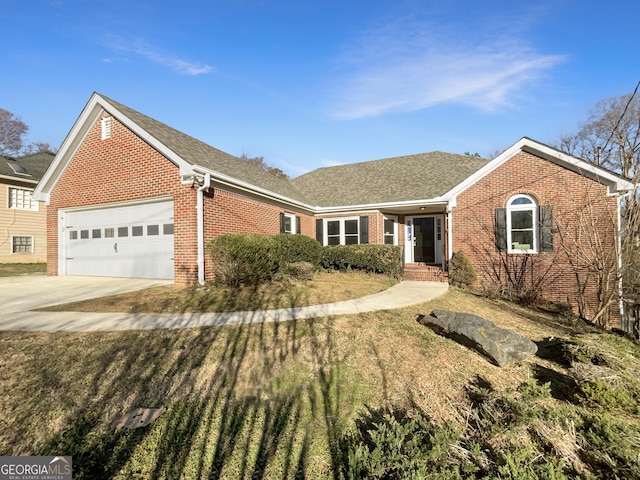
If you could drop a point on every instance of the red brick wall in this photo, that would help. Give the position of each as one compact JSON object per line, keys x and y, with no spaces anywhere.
{"x":230,"y":212}
{"x":124,"y":168}
{"x":580,"y":207}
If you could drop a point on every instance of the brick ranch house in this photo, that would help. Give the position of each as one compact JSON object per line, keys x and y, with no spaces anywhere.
{"x":129,"y":196}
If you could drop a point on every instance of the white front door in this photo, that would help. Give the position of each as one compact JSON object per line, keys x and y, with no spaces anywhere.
{"x":123,"y":241}
{"x":424,"y":239}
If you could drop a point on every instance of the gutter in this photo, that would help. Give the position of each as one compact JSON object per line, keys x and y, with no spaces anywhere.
{"x":200,"y":225}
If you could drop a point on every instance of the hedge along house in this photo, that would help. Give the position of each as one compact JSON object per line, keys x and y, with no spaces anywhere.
{"x":130,"y":196}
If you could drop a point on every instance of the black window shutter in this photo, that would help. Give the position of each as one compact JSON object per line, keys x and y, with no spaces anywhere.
{"x":281,"y":222}
{"x":298,"y":225}
{"x":319,"y":232}
{"x":545,"y":214}
{"x":364,"y":229}
{"x":501,"y":229}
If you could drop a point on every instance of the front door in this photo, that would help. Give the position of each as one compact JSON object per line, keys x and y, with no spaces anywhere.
{"x":424,"y":247}
{"x":424,"y":240}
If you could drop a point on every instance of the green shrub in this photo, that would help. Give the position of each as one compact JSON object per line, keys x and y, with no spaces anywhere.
{"x":299,"y":248}
{"x":395,"y":444}
{"x":599,"y":393}
{"x":382,"y":259}
{"x":611,"y":445}
{"x":245,"y":258}
{"x":526,"y":464}
{"x":531,"y":391}
{"x":461,"y":271}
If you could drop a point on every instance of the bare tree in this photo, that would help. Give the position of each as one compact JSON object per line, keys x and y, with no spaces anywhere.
{"x":611,"y":135}
{"x":591,"y":242}
{"x":12,"y":131}
{"x":609,"y":138}
{"x":262,"y":165}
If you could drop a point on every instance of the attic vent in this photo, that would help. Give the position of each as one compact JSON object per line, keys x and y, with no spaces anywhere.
{"x":17,"y":168}
{"x":106,"y":127}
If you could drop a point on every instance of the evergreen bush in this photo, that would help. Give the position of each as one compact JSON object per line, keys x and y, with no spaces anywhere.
{"x":299,"y":248}
{"x":382,"y":259}
{"x":461,"y":271}
{"x":391,"y":443}
{"x":245,"y":258}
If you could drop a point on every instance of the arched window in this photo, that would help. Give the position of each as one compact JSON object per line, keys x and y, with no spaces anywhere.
{"x":522,"y":225}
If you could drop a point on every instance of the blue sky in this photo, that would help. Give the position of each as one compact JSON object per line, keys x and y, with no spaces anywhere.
{"x":310,"y":84}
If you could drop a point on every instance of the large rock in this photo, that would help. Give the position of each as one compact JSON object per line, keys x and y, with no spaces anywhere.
{"x":502,"y":346}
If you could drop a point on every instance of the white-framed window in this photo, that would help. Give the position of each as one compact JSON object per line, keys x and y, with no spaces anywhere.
{"x":390,"y":230}
{"x":22,"y":244}
{"x":342,"y":231}
{"x":289,"y":223}
{"x":522,"y":224}
{"x":22,"y":199}
{"x":105,"y":127}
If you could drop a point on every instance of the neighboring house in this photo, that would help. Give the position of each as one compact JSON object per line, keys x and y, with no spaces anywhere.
{"x":22,"y":219}
{"x":130,"y":196}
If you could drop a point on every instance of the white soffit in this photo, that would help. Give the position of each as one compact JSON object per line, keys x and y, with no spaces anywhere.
{"x":614,"y":183}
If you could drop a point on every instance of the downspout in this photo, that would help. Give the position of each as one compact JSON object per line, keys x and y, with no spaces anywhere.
{"x":200,"y":225}
{"x":449,"y":232}
{"x":620,"y":263}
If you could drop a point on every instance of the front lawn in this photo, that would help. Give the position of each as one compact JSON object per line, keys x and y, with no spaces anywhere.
{"x":277,"y":400}
{"x":14,"y":269}
{"x":325,"y":287}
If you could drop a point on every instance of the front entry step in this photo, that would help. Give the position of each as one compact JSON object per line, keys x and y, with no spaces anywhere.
{"x":424,"y":273}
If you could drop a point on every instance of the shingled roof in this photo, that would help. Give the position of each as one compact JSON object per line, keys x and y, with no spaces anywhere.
{"x":28,"y":168}
{"x":199,"y":153}
{"x":414,"y":177}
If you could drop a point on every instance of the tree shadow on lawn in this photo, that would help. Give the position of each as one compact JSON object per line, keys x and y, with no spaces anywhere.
{"x":212,"y":298}
{"x":239,"y":403}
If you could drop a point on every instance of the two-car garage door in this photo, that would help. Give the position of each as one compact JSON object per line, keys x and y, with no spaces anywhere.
{"x":124,"y":241}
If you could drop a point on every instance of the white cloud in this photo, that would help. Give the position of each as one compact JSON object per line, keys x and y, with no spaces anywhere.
{"x":141,"y":48}
{"x":403,"y":69}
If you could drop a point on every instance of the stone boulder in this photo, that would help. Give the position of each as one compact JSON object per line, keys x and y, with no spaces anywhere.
{"x":502,"y":346}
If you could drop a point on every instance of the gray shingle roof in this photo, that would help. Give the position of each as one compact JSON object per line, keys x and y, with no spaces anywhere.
{"x":199,"y":153}
{"x":413,"y":177}
{"x":34,"y":166}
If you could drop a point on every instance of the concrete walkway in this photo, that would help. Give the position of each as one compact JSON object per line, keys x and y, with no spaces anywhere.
{"x":403,"y":294}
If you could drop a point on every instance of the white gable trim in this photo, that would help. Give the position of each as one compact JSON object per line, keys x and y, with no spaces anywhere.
{"x":615,"y":184}
{"x":78,"y":133}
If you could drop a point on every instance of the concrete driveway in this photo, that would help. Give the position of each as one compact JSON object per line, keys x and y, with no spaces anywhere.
{"x":21,"y":294}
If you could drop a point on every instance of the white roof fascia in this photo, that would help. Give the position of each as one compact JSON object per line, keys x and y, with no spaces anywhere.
{"x":68,"y":148}
{"x":380,"y":206}
{"x":79,"y":131}
{"x":18,"y":179}
{"x":185,"y":167}
{"x":615,"y":184}
{"x":233,"y":182}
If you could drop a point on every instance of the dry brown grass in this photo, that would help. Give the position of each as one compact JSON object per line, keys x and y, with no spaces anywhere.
{"x":296,"y":383}
{"x":325,"y":287}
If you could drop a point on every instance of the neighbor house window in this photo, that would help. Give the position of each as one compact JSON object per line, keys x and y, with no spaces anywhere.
{"x":522,"y":224}
{"x":390,"y":231}
{"x":343,"y":231}
{"x":22,"y":245}
{"x":289,"y":223}
{"x":22,"y":199}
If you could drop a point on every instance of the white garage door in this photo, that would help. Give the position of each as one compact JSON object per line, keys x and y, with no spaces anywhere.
{"x":129,"y":241}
